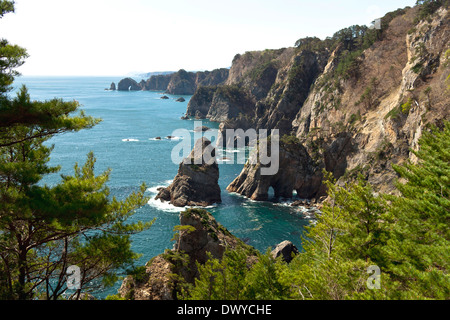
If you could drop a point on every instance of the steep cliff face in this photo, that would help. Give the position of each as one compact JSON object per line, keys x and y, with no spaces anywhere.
{"x":366,"y":123}
{"x":357,"y":102}
{"x":211,"y":78}
{"x":181,"y":82}
{"x":157,"y":82}
{"x":178,"y":83}
{"x":264,"y":89}
{"x":200,"y":102}
{"x":297,"y":171}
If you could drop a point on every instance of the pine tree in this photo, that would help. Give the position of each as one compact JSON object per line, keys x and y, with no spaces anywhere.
{"x":340,"y":247}
{"x":44,"y":230}
{"x":221,"y":279}
{"x":11,"y":56}
{"x":419,"y":246}
{"x":233,"y":278}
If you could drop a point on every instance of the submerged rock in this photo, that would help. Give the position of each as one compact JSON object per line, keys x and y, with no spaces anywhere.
{"x":165,"y":97}
{"x":181,"y":99}
{"x":196,"y":183}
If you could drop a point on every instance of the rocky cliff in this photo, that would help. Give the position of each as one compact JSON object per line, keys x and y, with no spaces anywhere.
{"x":297,"y":171}
{"x":357,"y":102}
{"x":196,"y":183}
{"x":367,"y":121}
{"x":264,"y":87}
{"x":199,"y":235}
{"x":178,"y":83}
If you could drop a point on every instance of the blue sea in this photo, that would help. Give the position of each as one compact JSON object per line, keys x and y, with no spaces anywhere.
{"x":125,"y":142}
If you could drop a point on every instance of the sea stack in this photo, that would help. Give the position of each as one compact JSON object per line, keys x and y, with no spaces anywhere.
{"x":128,"y":84}
{"x":196,"y":183}
{"x":297,"y":171}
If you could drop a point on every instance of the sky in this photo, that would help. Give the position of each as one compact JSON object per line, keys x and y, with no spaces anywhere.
{"x":125,"y":37}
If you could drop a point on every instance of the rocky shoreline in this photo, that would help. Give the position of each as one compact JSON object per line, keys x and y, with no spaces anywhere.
{"x":199,"y":236}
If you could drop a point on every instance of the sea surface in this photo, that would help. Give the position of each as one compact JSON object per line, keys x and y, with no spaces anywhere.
{"x":125,"y":142}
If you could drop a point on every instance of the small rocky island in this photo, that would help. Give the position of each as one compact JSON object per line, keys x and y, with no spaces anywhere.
{"x":196,"y":183}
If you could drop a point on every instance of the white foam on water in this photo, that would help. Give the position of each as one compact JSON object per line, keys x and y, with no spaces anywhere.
{"x":161,"y":205}
{"x":173,"y":138}
{"x":154,"y":190}
{"x":286,"y":203}
{"x":130,"y":140}
{"x":207,"y":207}
{"x":168,"y":207}
{"x":164,"y":206}
{"x":228,"y":150}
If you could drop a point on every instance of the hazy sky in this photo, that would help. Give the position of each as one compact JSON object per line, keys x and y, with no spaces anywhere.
{"x":118,"y":37}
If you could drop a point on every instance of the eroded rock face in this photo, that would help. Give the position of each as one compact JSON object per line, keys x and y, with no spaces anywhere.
{"x":154,"y":284}
{"x":297,"y":171}
{"x":204,"y":236}
{"x":181,"y":82}
{"x":354,"y":133}
{"x":196,"y":183}
{"x":177,"y":83}
{"x":128,"y":84}
{"x":157,"y":82}
{"x":208,"y":236}
{"x":200,"y":101}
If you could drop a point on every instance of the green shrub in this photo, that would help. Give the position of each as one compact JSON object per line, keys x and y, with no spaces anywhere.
{"x":428,"y":8}
{"x":417,"y":68}
{"x":406,"y":106}
{"x":288,"y":140}
{"x":393,"y":114}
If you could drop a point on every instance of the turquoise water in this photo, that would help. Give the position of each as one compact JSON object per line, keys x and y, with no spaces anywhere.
{"x":124,"y":141}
